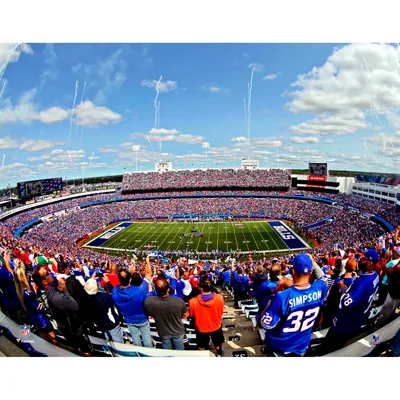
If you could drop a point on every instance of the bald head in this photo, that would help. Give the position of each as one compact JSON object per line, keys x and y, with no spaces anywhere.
{"x":162,"y":286}
{"x":276,"y":270}
{"x":114,"y":268}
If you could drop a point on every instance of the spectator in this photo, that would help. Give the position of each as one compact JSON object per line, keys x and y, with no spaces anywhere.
{"x":129,"y":297}
{"x":240,"y":282}
{"x":9,"y":301}
{"x":36,"y":315}
{"x":291,"y":315}
{"x":393,"y":283}
{"x":112,"y":277}
{"x":103,"y":311}
{"x":268,"y":288}
{"x":206,"y":309}
{"x":354,"y":305}
{"x":334,"y":295}
{"x":167,"y":312}
{"x":188,"y":287}
{"x":259,"y":277}
{"x":63,"y":308}
{"x":226,"y":278}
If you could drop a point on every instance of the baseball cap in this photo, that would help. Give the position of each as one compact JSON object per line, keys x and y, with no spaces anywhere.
{"x":302,"y":264}
{"x":42,"y":260}
{"x":339,"y":246}
{"x":372,"y":255}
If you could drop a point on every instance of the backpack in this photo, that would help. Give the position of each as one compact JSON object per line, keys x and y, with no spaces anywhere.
{"x":394,"y":285}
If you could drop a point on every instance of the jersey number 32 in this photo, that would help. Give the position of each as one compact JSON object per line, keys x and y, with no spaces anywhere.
{"x":300,"y":320}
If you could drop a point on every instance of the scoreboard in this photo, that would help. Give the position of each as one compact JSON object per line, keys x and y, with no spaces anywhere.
{"x":39,"y":187}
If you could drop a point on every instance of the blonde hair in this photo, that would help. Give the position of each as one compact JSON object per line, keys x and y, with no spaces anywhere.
{"x":21,"y":281}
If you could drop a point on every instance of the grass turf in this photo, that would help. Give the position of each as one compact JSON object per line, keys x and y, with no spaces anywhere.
{"x":248,"y":236}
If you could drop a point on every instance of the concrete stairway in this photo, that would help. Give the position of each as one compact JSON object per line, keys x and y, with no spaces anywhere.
{"x":236,"y":324}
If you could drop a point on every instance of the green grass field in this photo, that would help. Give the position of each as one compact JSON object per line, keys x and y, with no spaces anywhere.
{"x":253,"y":236}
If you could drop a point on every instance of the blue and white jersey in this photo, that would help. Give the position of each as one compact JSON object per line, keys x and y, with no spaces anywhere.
{"x":353,"y":309}
{"x":290,"y":317}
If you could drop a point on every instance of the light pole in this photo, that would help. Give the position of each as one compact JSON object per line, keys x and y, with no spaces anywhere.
{"x":136,"y":148}
{"x":206,"y":146}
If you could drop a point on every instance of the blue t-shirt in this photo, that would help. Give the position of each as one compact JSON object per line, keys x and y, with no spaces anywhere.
{"x":352,"y":312}
{"x":290,"y":317}
{"x":226,"y":276}
{"x":239,"y":282}
{"x":179,"y":289}
{"x":130,"y":302}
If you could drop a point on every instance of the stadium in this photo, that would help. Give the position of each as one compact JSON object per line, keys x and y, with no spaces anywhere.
{"x":206,"y":222}
{"x":209,"y":234}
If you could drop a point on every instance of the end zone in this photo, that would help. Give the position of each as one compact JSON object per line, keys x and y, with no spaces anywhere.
{"x":290,"y":238}
{"x":107,"y":235}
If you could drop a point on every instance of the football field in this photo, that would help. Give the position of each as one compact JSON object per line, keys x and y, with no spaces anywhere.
{"x":225,"y":236}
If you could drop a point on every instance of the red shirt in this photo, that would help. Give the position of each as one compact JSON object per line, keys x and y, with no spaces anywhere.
{"x":194,"y":281}
{"x":331,"y":261}
{"x":113,"y":280}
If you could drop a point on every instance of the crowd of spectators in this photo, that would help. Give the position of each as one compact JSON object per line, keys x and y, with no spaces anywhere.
{"x":62,"y":232}
{"x":63,"y":296}
{"x":210,"y":178}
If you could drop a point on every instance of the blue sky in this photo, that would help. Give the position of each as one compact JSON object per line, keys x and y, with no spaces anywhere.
{"x":309,"y":102}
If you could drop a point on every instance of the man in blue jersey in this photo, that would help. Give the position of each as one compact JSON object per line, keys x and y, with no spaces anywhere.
{"x":226,"y":278}
{"x":354,"y":305}
{"x":291,"y":315}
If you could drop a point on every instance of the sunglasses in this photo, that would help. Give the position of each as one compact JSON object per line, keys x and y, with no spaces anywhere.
{"x":47,"y":274}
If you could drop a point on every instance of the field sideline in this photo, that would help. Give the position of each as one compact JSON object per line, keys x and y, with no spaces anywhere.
{"x":226,"y":236}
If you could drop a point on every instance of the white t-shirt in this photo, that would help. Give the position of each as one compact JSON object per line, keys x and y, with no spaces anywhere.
{"x":188,"y":287}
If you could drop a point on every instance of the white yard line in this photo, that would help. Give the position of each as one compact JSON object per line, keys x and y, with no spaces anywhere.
{"x":234,"y":232}
{"x":266,"y":230}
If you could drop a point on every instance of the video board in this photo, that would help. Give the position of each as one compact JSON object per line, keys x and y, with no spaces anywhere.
{"x":39,"y":187}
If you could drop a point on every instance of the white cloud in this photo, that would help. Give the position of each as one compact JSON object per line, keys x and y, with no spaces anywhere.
{"x":258,"y":67}
{"x":108,"y":150}
{"x":8,"y":50}
{"x":295,"y":150}
{"x":25,"y":112}
{"x":163,"y":87}
{"x":107,"y":75}
{"x":242,"y":141}
{"x":53,"y":115}
{"x":7,"y":143}
{"x":303,"y":140}
{"x":39,"y":145}
{"x":346,"y":83}
{"x":189,"y":139}
{"x":269,"y":77}
{"x":50,"y":58}
{"x":168,"y":135}
{"x":39,"y":158}
{"x":334,"y":125}
{"x":329,"y":141}
{"x":88,"y":115}
{"x":211,"y":88}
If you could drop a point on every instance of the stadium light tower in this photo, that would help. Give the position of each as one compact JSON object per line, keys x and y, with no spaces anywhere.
{"x":206,"y":146}
{"x":136,"y":149}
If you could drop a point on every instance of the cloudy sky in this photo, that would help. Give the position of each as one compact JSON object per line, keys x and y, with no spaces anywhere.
{"x":79,"y":109}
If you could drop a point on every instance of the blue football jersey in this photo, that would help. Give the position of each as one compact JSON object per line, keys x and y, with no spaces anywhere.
{"x":352,"y":312}
{"x":290,"y":317}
